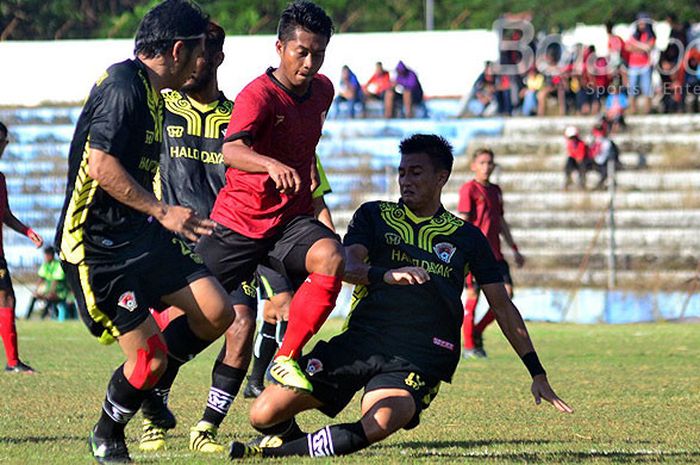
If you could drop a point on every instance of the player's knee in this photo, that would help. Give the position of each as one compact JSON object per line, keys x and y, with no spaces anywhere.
{"x":150,"y":363}
{"x":262,"y":414}
{"x":327,"y":257}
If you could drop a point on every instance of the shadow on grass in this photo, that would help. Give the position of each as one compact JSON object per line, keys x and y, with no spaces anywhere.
{"x":41,"y":439}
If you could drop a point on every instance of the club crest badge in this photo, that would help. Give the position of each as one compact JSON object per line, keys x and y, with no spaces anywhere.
{"x":128,"y":301}
{"x":444,"y":251}
{"x":314,"y":366}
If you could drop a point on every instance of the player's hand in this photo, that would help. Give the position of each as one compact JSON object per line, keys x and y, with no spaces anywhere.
{"x":542,"y":390}
{"x":406,"y":275}
{"x":182,"y":220}
{"x":519,"y":259}
{"x":35,"y":238}
{"x":286,"y":179}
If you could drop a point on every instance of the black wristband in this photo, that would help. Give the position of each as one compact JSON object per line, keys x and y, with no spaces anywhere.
{"x":533,"y":365}
{"x":375,"y":274}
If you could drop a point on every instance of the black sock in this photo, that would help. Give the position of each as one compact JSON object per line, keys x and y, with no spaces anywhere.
{"x":263,"y":351}
{"x":183,"y":345}
{"x":280,"y":330}
{"x":287,"y":429}
{"x":332,"y":440}
{"x":225,"y":383}
{"x":121,"y":403}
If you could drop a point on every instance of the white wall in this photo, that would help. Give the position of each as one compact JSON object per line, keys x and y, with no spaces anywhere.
{"x":447,"y":62}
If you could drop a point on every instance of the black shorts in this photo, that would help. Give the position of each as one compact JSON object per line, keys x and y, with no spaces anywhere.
{"x":246,"y":294}
{"x":341,"y":367}
{"x":271,"y":283}
{"x":504,"y":270}
{"x":5,"y":280}
{"x":114,"y":298}
{"x":233,"y":257}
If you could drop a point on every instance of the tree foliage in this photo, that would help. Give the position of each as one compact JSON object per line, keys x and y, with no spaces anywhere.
{"x":73,"y":19}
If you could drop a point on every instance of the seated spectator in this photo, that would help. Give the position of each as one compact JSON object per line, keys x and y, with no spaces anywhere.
{"x":641,"y":45}
{"x":534,"y":83}
{"x":407,"y":87}
{"x":51,"y":289}
{"x":481,"y":95}
{"x":616,"y":104}
{"x":378,"y":84}
{"x":671,"y":90}
{"x":691,"y":77}
{"x":578,"y":158}
{"x":603,"y":150}
{"x":349,"y":91}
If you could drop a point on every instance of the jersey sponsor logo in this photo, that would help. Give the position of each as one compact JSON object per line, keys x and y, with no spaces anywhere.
{"x":314,"y":366}
{"x":175,"y":131}
{"x":444,"y":251}
{"x":211,"y":158}
{"x":413,"y":381}
{"x":438,"y":269}
{"x":392,"y":238}
{"x":128,"y":301}
{"x":278,"y":120}
{"x":444,"y":344}
{"x":320,"y":443}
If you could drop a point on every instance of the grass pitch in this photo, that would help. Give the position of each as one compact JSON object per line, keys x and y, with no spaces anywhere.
{"x":635,"y":390}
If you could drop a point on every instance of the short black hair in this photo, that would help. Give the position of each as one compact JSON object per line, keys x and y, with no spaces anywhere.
{"x":215,"y":38}
{"x":167,"y":22}
{"x":306,"y":15}
{"x":3,"y":130}
{"x":49,"y":250}
{"x":436,"y":147}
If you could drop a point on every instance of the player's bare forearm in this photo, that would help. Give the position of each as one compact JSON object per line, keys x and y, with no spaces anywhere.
{"x":118,"y":183}
{"x":505,"y":232}
{"x":356,"y":267}
{"x":13,"y":222}
{"x":508,"y":318}
{"x":240,"y":156}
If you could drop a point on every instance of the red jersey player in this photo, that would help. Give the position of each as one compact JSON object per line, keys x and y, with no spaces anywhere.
{"x":264,"y":212}
{"x":8,"y":330}
{"x":481,"y":203}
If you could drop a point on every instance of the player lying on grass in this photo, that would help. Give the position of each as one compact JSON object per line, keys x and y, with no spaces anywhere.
{"x":402,"y":339}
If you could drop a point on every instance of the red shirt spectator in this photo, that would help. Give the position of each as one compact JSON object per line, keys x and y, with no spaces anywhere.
{"x":577,"y":149}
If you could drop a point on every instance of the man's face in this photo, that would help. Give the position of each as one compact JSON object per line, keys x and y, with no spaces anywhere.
{"x":483,"y":166}
{"x":204,"y":72}
{"x":301,"y":57}
{"x":419,"y":182}
{"x":184,"y":62}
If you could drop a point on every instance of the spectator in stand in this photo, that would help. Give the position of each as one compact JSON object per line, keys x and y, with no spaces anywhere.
{"x":602,"y":150}
{"x":349,"y":91}
{"x":407,"y":87}
{"x":677,"y":40}
{"x":616,"y":103}
{"x":617,"y":53}
{"x":378,"y":84}
{"x":640,"y":46}
{"x":479,"y":99}
{"x":691,"y":73}
{"x":578,"y":158}
{"x":532,"y":92}
{"x":601,"y":79}
{"x":51,"y":288}
{"x":671,"y":90}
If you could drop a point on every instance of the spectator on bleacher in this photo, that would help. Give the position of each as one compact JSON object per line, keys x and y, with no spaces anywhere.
{"x":532,"y":92}
{"x":378,"y":83}
{"x":616,"y":104}
{"x":671,"y":90}
{"x":617,"y":53}
{"x":51,"y":289}
{"x":349,"y":91}
{"x":8,"y":330}
{"x":641,"y":46}
{"x":601,"y":79}
{"x":602,"y":150}
{"x":677,"y":40}
{"x":407,"y":88}
{"x":578,"y":158}
{"x":481,"y":95}
{"x":691,"y":76}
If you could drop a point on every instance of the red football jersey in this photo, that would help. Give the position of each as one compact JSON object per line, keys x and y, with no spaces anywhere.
{"x":282,"y":126}
{"x":483,"y":206}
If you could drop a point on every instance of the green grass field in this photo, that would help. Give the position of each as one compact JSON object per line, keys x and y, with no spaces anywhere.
{"x":635,"y":390}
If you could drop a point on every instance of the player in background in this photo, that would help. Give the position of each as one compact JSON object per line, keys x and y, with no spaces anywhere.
{"x":400,"y":366}
{"x":8,"y":330}
{"x":264,"y":214}
{"x":481,"y":203}
{"x":277,"y":292}
{"x":118,"y":242}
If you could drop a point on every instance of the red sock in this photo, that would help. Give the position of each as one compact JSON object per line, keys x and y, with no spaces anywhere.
{"x":468,"y":323}
{"x":8,"y":332}
{"x":310,"y":307}
{"x":485,"y":321}
{"x":162,"y":318}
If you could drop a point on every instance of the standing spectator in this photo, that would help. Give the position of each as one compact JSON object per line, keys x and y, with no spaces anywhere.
{"x":408,"y":88}
{"x":601,"y":79}
{"x":578,"y":157}
{"x":8,"y":330}
{"x":378,"y":83}
{"x":671,"y":90}
{"x":677,"y":40}
{"x":349,"y":91}
{"x":481,"y":203}
{"x":640,"y":46}
{"x":51,"y":288}
{"x":617,"y":52}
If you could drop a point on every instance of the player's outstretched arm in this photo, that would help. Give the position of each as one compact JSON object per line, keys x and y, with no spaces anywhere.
{"x":117,"y":182}
{"x":358,"y":271}
{"x":514,"y":329}
{"x":15,"y":224}
{"x":238,"y":155}
{"x":508,"y":237}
